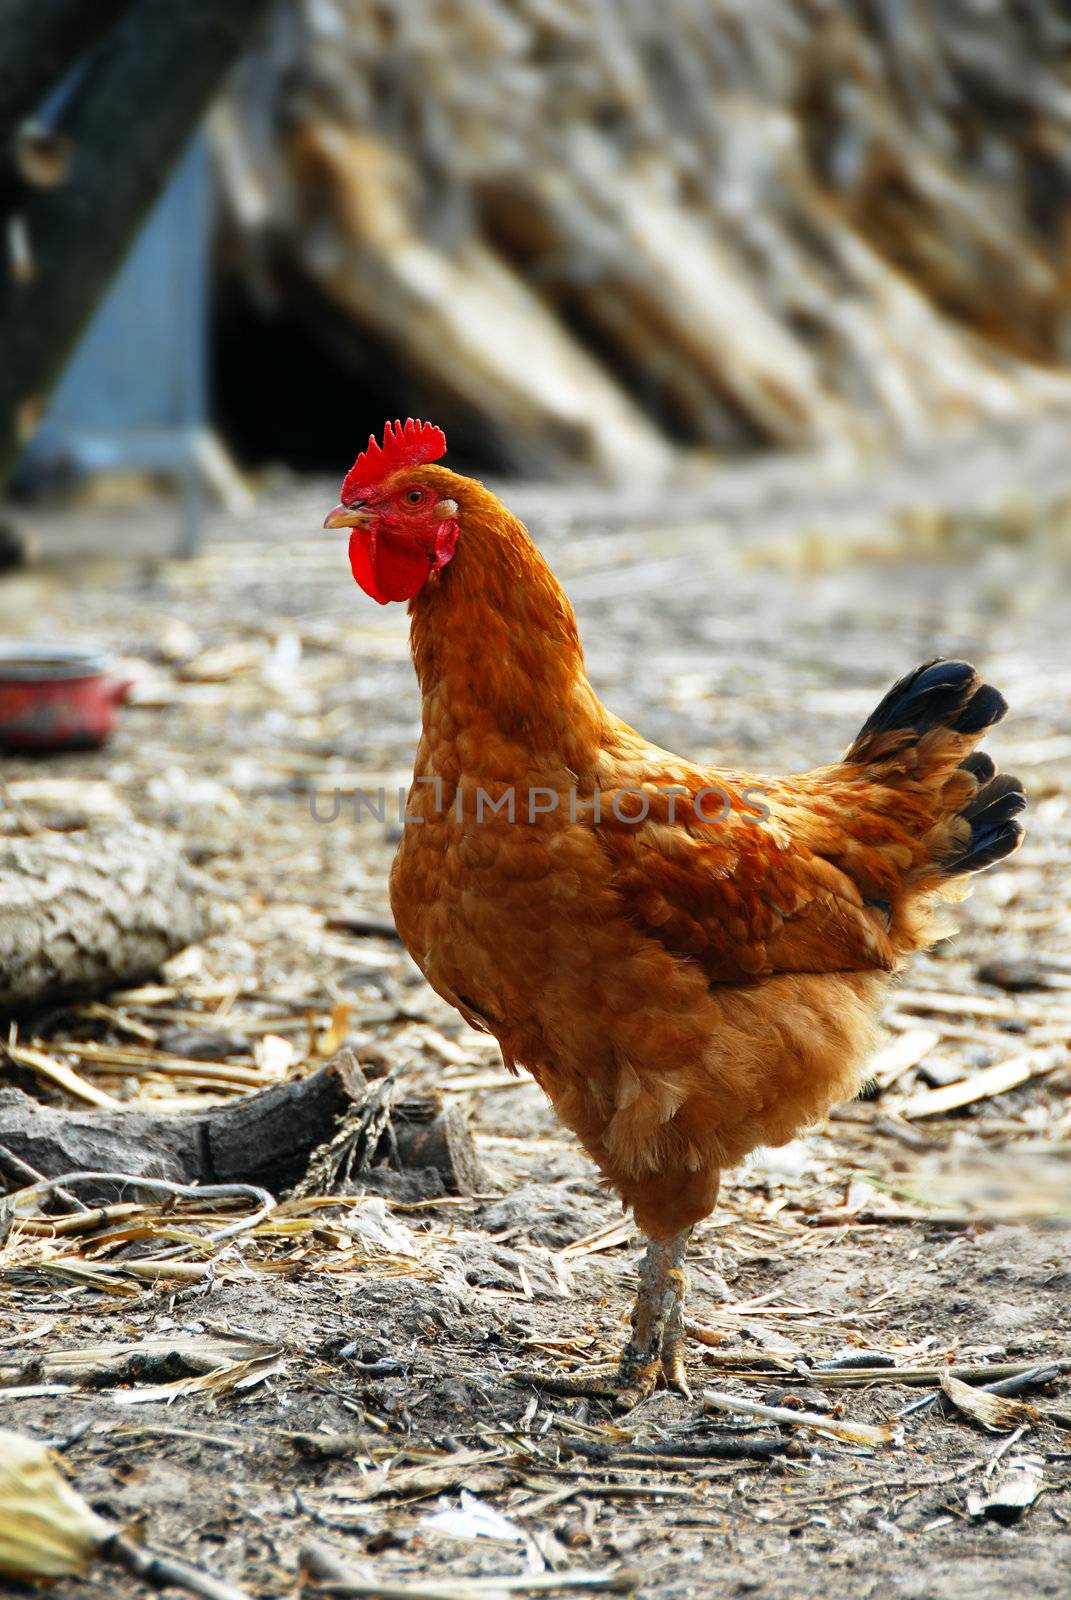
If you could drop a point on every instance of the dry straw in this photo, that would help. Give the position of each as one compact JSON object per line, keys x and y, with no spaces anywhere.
{"x":46,"y":1529}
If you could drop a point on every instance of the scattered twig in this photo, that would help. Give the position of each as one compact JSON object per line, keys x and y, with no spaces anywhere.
{"x":903,"y":1051}
{"x":329,"y":1446}
{"x":186,"y":1191}
{"x":363,"y":925}
{"x":856,"y":1432}
{"x":338,"y":1579}
{"x":168,"y":1572}
{"x":1024,"y":1382}
{"x":992,"y":1411}
{"x":57,"y":1073}
{"x":22,"y":1169}
{"x":22,"y":817}
{"x":857,"y":1377}
{"x":685,"y":1453}
{"x":872,"y":1217}
{"x":1028,"y":1377}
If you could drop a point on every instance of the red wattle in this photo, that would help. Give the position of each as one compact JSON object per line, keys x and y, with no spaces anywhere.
{"x":361,"y":563}
{"x":387,"y":568}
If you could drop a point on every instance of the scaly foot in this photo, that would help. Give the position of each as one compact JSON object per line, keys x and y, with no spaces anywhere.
{"x":655,"y":1351}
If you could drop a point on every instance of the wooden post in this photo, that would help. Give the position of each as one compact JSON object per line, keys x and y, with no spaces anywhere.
{"x":128,"y":119}
{"x":42,"y":39}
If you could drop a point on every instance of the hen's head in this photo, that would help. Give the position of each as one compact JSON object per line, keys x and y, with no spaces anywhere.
{"x":403,"y":518}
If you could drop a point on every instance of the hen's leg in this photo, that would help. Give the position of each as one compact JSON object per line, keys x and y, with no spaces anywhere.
{"x":655,"y":1349}
{"x":656,"y":1346}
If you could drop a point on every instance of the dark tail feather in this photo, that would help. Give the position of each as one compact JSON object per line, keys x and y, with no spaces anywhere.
{"x":994,"y":830}
{"x":939,"y":694}
{"x":943,"y":708}
{"x":981,"y":765}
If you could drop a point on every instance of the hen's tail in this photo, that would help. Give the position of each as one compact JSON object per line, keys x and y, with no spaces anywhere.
{"x":920,"y":742}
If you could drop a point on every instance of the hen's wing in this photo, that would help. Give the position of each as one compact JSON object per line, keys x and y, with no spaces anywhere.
{"x":749,"y":875}
{"x":829,"y":871}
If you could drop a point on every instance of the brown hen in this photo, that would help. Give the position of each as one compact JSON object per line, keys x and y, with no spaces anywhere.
{"x":689,"y":960}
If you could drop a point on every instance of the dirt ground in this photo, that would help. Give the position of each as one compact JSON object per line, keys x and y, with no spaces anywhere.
{"x":412,"y":1322}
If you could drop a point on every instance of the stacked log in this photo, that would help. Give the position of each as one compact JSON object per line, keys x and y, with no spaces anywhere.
{"x":593,"y":229}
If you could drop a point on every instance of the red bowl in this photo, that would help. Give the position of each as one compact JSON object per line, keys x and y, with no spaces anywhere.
{"x":55,"y":698}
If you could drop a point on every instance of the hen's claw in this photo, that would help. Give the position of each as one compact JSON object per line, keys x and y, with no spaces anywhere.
{"x":674,"y":1367}
{"x":655,"y":1351}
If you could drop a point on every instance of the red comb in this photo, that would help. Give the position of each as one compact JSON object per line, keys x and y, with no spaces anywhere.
{"x":410,"y":446}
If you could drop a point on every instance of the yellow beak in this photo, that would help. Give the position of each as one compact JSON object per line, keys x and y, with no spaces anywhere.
{"x":343,"y":516}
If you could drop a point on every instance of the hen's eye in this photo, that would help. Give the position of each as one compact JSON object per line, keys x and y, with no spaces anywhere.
{"x":413,"y":497}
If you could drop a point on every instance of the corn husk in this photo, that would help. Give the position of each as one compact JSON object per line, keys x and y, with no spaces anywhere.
{"x":993,"y":1411}
{"x":46,"y":1529}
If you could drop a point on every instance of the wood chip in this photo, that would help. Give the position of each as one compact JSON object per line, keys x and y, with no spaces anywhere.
{"x":1018,"y":1488}
{"x":60,"y":1074}
{"x":338,"y":1579}
{"x":983,"y":1085}
{"x":901,"y":1053}
{"x":976,"y":1005}
{"x":993,"y":1411}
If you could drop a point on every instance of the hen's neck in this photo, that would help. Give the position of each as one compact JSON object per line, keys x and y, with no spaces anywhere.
{"x":498,"y":655}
